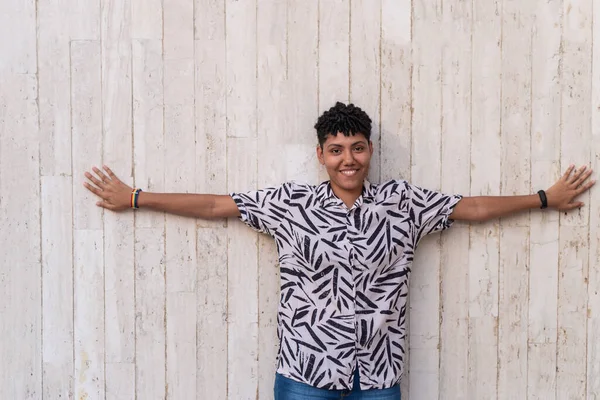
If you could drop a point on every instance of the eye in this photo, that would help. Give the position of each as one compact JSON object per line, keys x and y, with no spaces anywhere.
{"x":359,"y":148}
{"x":336,"y":151}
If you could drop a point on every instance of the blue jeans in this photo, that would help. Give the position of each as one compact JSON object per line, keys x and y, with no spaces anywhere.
{"x":288,"y":389}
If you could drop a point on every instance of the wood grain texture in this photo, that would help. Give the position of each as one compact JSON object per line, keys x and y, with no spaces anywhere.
{"x":242,"y":279}
{"x":456,"y":178}
{"x":272,"y":96}
{"x":424,"y":294}
{"x":485,"y":174}
{"x":57,"y":288}
{"x":20,"y":241}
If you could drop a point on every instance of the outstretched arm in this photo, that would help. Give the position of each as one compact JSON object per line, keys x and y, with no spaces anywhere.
{"x":116,"y":195}
{"x":560,"y":196}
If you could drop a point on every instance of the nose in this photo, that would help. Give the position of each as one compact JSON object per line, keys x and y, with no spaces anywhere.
{"x":348,"y":158}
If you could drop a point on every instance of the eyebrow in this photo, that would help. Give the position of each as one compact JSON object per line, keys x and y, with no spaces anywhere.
{"x":339,"y":145}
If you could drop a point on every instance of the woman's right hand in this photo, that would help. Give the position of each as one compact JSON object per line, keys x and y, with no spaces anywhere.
{"x":114,"y":194}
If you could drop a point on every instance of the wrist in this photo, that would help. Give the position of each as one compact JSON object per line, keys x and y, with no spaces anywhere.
{"x":543,"y":199}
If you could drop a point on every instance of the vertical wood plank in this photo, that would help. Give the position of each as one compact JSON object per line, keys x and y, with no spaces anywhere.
{"x":240,"y":22}
{"x":242,"y":278}
{"x":456,"y":131}
{"x":54,"y":89}
{"x":272,"y":30}
{"x":515,"y":179}
{"x":88,"y":244}
{"x":593,"y":308}
{"x":301,"y":160}
{"x":150,"y":299}
{"x":211,"y":107}
{"x":119,"y":299}
{"x":18,"y":22}
{"x":119,"y":386}
{"x":396,"y":105}
{"x":334,"y":52}
{"x":20,"y":252}
{"x":212,"y":314}
{"x":84,"y":19}
{"x":57,"y":293}
{"x":86,"y":131}
{"x":485,"y":181}
{"x":180,"y":177}
{"x":334,"y":57}
{"x":573,"y":243}
{"x":545,"y":163}
{"x":365,"y":69}
{"x":89,"y":314}
{"x":147,"y":19}
{"x":424,"y":294}
{"x":148,"y":133}
{"x":396,"y":78}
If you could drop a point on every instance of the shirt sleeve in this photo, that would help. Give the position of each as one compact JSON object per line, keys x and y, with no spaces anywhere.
{"x":430,"y":210}
{"x":263,"y":210}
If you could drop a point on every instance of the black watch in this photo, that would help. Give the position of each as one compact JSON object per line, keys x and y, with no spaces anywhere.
{"x":543,"y":199}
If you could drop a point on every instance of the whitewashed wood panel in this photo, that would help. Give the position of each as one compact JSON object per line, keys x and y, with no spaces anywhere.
{"x":574,"y":230}
{"x":119,"y":302}
{"x":333,"y":58}
{"x":89,"y":349}
{"x":57,"y":288}
{"x":365,"y":69}
{"x":180,"y":166}
{"x":212,"y":314}
{"x":485,"y":174}
{"x":515,"y":179}
{"x":147,"y":19}
{"x":455,"y":174}
{"x":242,"y":279}
{"x":18,"y":22}
{"x":210,"y":101}
{"x":54,"y":88}
{"x":424,"y":295}
{"x":272,"y":73}
{"x":148,"y":128}
{"x":493,"y":97}
{"x":20,"y":242}
{"x":86,"y":131}
{"x":593,"y":306}
{"x":240,"y":23}
{"x":545,"y":163}
{"x":150,"y":309}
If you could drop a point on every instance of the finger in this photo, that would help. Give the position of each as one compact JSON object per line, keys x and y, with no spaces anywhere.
{"x":568,"y":172}
{"x":110,"y":173}
{"x":95,"y":180}
{"x":583,"y":178}
{"x":103,"y":177}
{"x":585,"y":188}
{"x":105,"y":204}
{"x":93,"y":189}
{"x":578,"y":173}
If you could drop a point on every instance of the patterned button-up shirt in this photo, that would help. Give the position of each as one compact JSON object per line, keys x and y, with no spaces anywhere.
{"x":344,"y":275}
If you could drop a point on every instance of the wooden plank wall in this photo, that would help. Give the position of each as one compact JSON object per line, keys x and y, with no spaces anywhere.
{"x":481,"y":97}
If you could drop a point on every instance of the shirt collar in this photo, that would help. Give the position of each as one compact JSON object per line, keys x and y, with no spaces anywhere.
{"x":326,"y":196}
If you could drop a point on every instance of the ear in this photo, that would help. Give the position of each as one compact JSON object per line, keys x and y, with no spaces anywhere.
{"x":371,"y":147}
{"x":320,"y":154}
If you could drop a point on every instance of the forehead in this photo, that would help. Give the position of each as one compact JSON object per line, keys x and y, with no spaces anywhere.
{"x":343,"y":140}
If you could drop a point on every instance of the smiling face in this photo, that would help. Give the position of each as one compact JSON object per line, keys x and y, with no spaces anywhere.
{"x":346,"y":159}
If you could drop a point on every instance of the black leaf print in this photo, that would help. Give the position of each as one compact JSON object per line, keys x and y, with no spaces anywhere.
{"x":344,"y":275}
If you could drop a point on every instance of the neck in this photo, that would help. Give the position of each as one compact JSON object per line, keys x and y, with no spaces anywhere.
{"x":347,"y":196}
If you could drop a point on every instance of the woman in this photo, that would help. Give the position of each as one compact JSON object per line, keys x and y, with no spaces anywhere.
{"x":345,"y":250}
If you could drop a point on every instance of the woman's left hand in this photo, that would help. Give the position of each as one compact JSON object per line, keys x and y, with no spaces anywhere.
{"x":573,"y":183}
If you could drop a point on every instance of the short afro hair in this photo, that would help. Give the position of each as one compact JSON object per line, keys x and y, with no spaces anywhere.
{"x":347,"y":119}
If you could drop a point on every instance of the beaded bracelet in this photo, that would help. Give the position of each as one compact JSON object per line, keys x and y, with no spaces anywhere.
{"x":134,"y":198}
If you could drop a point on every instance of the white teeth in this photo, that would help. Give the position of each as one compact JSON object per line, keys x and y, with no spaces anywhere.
{"x":349,"y":172}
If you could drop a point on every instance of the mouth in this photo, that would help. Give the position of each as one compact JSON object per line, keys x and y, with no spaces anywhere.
{"x":349,"y":172}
